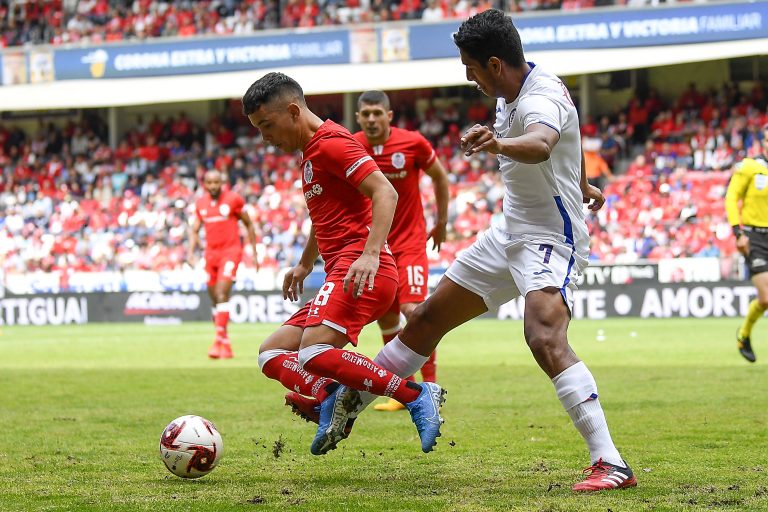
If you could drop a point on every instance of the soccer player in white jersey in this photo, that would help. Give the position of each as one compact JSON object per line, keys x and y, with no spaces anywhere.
{"x":538,"y":254}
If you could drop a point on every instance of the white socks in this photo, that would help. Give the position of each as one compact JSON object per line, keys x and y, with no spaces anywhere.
{"x":307,"y":353}
{"x":268,"y":355}
{"x":398,"y":359}
{"x":577,"y":391}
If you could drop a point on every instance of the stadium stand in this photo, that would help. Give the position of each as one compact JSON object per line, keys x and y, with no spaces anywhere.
{"x":61,"y":22}
{"x":71,"y":202}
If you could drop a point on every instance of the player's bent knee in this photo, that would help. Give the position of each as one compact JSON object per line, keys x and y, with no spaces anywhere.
{"x":267,"y":355}
{"x":762,"y":298}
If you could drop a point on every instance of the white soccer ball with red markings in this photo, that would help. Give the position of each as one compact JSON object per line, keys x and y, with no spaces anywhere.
{"x":191,"y":446}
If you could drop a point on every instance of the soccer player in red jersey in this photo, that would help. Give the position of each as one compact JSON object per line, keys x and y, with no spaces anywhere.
{"x":402,"y":155}
{"x":220,"y":210}
{"x":351,"y":204}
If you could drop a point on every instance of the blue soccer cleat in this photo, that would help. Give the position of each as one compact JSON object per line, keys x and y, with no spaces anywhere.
{"x":425,"y":413}
{"x":337,"y":414}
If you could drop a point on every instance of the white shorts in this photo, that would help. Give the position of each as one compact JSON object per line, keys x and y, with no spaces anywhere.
{"x":500,"y":267}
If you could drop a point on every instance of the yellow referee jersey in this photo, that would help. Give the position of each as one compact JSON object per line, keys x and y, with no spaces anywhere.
{"x":749,"y":184}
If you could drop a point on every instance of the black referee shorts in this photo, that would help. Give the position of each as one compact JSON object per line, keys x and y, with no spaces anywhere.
{"x":757,"y":260}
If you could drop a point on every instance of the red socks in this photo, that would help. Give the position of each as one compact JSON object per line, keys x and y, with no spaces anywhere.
{"x":220,"y":320}
{"x":286,"y":369}
{"x":429,"y":370}
{"x":359,"y":372}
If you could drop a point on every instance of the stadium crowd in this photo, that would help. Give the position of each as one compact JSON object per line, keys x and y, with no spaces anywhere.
{"x":69,"y":201}
{"x":97,"y":21}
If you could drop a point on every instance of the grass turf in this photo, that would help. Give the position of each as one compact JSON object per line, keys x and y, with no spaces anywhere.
{"x":83,"y":408}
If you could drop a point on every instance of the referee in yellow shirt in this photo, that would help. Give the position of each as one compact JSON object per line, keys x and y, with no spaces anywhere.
{"x":746,"y":204}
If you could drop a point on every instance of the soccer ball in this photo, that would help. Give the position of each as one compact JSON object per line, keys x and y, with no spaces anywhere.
{"x":191,"y":446}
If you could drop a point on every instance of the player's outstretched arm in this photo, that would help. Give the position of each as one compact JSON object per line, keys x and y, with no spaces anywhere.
{"x":384,"y":200}
{"x":194,"y":239}
{"x":439,"y":176}
{"x":251,"y":236}
{"x":293,"y":281}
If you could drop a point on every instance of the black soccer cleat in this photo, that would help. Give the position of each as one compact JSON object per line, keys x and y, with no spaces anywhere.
{"x":745,"y":348}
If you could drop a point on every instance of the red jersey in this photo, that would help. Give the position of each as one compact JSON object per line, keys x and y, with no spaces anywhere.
{"x":402,"y":158}
{"x":220,"y":218}
{"x":333,"y":166}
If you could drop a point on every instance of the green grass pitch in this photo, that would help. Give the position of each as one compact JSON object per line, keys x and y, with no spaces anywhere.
{"x":83,"y":408}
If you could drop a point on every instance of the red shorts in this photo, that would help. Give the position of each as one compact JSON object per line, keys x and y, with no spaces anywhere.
{"x":222,"y":265}
{"x":413,"y":268}
{"x":341,"y":311}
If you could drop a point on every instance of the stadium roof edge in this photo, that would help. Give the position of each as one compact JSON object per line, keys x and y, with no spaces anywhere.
{"x":338,"y":78}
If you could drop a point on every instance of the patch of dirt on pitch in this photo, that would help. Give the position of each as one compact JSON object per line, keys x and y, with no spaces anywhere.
{"x":728,"y":502}
{"x":540,"y":467}
{"x":278,"y":447}
{"x":256,"y":500}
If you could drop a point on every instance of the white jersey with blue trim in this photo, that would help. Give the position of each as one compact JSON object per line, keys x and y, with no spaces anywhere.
{"x":544,"y":198}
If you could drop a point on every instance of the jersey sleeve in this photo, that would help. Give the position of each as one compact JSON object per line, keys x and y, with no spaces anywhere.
{"x":425,"y":153}
{"x":538,"y":108}
{"x":237,"y":204}
{"x":737,"y":189}
{"x":347,"y":159}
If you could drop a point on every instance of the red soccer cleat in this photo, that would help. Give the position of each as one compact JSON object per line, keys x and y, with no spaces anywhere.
{"x":307,"y":408}
{"x":215,"y":351}
{"x":225,"y":351}
{"x":603,"y":476}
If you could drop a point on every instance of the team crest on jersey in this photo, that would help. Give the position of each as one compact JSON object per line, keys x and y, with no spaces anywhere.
{"x":224,"y":210}
{"x":761,"y":181}
{"x":398,"y":160}
{"x":307,"y":172}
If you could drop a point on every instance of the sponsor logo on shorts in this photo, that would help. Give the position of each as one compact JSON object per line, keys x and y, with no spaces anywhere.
{"x":542,"y":271}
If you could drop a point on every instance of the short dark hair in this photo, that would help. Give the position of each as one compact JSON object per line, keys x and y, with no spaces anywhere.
{"x":270,"y":87}
{"x":490,"y":34}
{"x":373,"y":98}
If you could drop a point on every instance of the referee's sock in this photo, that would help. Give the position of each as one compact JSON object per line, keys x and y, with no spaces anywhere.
{"x":754,"y":313}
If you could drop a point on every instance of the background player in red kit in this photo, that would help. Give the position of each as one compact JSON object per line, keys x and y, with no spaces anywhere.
{"x":220,"y":210}
{"x":402,"y":155}
{"x":351,"y":205}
